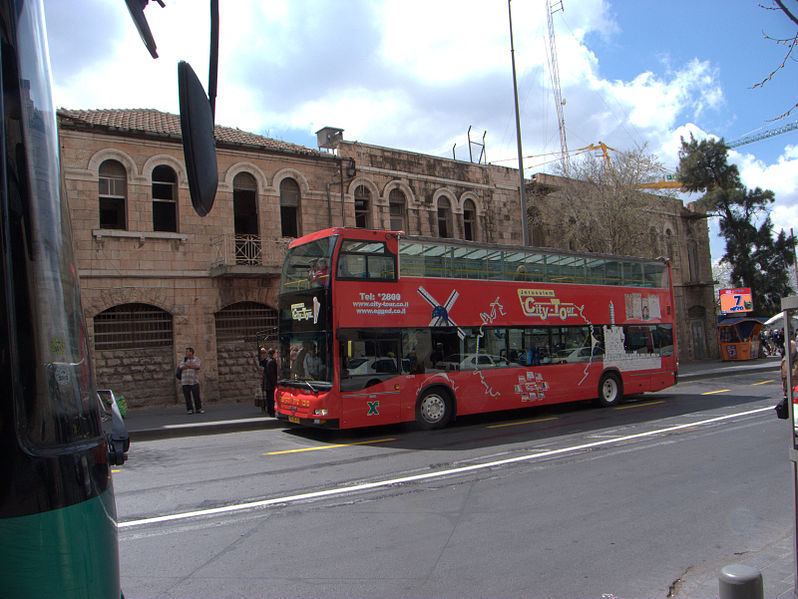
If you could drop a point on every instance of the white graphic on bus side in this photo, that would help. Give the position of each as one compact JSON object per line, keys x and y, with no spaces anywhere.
{"x":440,"y":312}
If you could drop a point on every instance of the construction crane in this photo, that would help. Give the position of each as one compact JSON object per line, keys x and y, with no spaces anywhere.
{"x":553,"y":6}
{"x":668,"y":180}
{"x":749,"y":139}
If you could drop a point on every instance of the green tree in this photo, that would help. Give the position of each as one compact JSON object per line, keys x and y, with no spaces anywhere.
{"x":757,"y":259}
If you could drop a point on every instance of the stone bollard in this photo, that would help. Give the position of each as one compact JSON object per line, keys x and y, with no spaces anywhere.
{"x":737,"y":581}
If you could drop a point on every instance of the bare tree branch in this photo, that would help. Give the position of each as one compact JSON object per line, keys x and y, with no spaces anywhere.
{"x":786,"y":11}
{"x":792,"y":43}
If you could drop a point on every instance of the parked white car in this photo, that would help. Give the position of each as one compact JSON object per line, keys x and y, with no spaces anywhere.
{"x":380,"y":365}
{"x":471,"y":362}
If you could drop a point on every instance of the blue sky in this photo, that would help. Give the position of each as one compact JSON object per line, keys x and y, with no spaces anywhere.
{"x":415,"y":74}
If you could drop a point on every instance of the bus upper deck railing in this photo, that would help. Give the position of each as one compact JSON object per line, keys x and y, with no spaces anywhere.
{"x":437,"y":260}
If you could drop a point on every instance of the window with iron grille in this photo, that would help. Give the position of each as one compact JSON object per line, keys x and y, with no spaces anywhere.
{"x":242,"y":321}
{"x":132,"y":326}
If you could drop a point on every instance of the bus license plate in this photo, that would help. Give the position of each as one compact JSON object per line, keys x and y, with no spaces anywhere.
{"x":293,"y":419}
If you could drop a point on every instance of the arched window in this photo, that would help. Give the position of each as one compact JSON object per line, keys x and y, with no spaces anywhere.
{"x":469,"y":220}
{"x":669,"y":245}
{"x":397,"y":210}
{"x":692,"y":259}
{"x":653,"y":238}
{"x":164,"y":199}
{"x":132,"y":326}
{"x":362,"y":207}
{"x":113,"y":195}
{"x":444,"y":218}
{"x":289,"y":208}
{"x":245,"y":218}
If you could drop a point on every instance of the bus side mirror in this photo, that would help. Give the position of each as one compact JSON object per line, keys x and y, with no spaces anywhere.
{"x":199,"y":143}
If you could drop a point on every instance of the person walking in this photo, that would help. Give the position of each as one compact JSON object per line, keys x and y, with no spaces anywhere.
{"x":269,"y":383}
{"x":189,"y":380}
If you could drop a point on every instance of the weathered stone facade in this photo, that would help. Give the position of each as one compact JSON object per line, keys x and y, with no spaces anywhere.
{"x":152,"y":286}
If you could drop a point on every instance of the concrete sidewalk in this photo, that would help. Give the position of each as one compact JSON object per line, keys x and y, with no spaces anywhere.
{"x":173,"y":421}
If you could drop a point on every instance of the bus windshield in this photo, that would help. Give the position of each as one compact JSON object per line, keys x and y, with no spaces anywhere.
{"x":306,"y":360}
{"x":307,"y":266}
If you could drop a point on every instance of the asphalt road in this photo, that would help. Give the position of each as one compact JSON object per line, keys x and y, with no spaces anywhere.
{"x":573,"y":501}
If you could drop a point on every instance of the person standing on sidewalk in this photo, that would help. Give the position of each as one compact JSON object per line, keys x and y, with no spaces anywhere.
{"x":189,"y":379}
{"x":269,"y":384}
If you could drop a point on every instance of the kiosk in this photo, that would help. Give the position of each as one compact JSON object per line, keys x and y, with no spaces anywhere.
{"x":738,"y":337}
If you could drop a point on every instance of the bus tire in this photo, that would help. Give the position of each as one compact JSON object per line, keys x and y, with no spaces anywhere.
{"x":434,"y":408}
{"x":610,"y":389}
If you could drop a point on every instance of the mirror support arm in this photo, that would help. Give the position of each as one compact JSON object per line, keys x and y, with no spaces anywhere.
{"x":213,"y":61}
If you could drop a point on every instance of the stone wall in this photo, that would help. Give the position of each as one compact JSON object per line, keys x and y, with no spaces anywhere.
{"x":239,"y":373}
{"x":144,"y":378}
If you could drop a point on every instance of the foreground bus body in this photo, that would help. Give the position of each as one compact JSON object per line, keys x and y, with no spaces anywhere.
{"x":401,"y":348}
{"x":57,"y":516}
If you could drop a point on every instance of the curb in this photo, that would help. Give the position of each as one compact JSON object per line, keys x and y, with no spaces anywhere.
{"x":729,"y":371}
{"x":215,"y":427}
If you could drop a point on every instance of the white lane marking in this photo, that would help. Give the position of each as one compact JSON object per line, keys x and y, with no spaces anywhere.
{"x":427,"y":476}
{"x":216,"y":422}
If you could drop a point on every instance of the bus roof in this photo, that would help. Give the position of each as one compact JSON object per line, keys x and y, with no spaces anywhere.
{"x":367,"y":234}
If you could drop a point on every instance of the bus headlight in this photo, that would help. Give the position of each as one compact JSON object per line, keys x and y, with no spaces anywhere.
{"x":320,"y":412}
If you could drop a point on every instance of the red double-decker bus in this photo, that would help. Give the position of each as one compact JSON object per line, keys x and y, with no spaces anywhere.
{"x":379,"y":327}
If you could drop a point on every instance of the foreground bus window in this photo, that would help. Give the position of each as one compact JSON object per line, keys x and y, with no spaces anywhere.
{"x":57,"y":512}
{"x":402,"y":328}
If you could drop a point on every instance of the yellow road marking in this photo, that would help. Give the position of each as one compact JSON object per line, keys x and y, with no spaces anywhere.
{"x":763,"y":382}
{"x":639,"y":405}
{"x":718,"y":391}
{"x":115,"y":471}
{"x":328,"y":446}
{"x":522,"y":422}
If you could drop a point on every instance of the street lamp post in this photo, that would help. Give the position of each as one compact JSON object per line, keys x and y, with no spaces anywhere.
{"x":518,"y":132}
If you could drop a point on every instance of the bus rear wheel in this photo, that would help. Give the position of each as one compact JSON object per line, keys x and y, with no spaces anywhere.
{"x":610,"y":389}
{"x":434,"y":409}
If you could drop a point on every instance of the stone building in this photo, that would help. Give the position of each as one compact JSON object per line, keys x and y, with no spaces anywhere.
{"x":156,"y":278}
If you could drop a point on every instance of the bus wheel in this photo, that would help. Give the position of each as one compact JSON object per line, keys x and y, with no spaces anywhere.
{"x":610,"y":389}
{"x":434,"y":409}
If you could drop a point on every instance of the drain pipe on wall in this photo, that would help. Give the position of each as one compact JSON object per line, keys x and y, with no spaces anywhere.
{"x":351,"y":171}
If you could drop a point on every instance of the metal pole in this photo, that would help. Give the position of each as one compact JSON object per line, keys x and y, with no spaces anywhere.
{"x":518,"y":132}
{"x":794,"y":260}
{"x":789,"y":305}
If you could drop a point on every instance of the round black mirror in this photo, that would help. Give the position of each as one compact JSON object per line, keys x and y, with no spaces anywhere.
{"x":199,"y":143}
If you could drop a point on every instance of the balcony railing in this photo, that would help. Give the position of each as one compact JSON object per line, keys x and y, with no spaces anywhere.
{"x":234,"y":252}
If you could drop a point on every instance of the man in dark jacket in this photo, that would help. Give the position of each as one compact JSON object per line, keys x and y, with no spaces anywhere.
{"x":269,"y":383}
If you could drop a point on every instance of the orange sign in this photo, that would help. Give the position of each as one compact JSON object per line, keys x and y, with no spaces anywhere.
{"x":733,"y":301}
